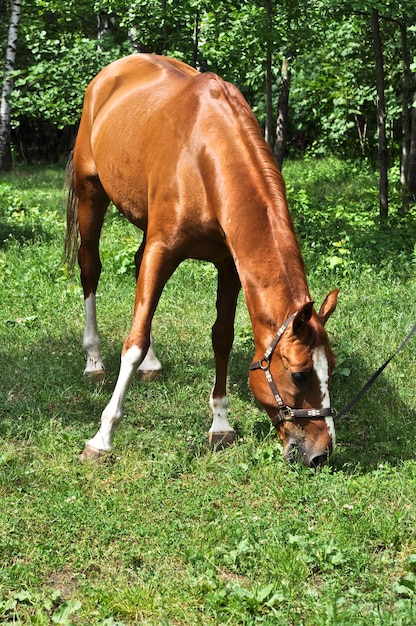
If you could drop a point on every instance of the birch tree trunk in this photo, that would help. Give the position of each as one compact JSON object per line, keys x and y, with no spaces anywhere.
{"x":195,"y":52}
{"x":381,"y":118}
{"x":404,"y":167}
{"x":282,"y":115}
{"x":411,"y":181}
{"x":269,"y":134}
{"x":5,"y":109}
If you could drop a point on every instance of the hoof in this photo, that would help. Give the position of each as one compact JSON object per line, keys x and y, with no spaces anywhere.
{"x":96,"y":376}
{"x":148,"y":376}
{"x":91,"y":454}
{"x":222,"y":440}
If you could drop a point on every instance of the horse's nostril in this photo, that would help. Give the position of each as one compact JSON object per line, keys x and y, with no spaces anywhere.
{"x":318,"y":461}
{"x":292,"y":453}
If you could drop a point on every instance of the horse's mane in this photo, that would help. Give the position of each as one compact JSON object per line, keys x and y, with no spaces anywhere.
{"x":276,"y":189}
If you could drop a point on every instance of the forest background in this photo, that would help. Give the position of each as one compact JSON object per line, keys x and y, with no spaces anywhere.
{"x":334,"y":76}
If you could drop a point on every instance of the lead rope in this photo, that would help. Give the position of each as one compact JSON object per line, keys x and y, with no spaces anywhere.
{"x":374,"y":377}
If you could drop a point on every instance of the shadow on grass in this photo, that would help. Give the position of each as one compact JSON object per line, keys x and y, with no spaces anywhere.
{"x":379,"y":429}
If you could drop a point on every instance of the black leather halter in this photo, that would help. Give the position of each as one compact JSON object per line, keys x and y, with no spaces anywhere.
{"x":285,"y":413}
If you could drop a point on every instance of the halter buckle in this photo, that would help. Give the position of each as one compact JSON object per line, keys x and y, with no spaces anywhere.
{"x":264,"y":363}
{"x":285,"y":414}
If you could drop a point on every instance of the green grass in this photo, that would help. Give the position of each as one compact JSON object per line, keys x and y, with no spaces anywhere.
{"x":163,"y":531}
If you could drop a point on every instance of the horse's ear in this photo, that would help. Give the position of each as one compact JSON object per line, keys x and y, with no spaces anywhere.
{"x":302,"y":317}
{"x":328,"y":306}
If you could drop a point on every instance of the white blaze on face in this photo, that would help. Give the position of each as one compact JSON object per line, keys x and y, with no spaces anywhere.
{"x":320,"y":364}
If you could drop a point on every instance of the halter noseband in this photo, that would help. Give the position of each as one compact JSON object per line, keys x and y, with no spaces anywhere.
{"x":286,"y":413}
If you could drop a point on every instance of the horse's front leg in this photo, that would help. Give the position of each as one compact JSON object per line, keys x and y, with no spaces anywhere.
{"x":221,"y":432}
{"x":157,"y":267}
{"x":150,"y":368}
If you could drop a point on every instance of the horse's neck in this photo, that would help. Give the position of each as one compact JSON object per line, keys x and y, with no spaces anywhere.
{"x":270,"y":267}
{"x":259,"y":230}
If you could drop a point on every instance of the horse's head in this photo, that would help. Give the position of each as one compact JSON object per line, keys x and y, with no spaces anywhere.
{"x":292,"y":381}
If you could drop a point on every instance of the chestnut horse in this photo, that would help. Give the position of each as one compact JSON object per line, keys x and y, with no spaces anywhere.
{"x":182,"y":156}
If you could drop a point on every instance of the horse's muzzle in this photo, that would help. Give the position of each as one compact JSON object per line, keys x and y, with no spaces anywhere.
{"x":296,"y":452}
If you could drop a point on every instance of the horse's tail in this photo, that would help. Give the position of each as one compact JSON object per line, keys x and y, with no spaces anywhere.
{"x":72,"y":229}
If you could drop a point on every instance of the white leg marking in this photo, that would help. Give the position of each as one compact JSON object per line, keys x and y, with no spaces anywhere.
{"x":91,"y":341}
{"x":150,"y":362}
{"x":320,"y":363}
{"x":113,"y":412}
{"x":220,"y":423}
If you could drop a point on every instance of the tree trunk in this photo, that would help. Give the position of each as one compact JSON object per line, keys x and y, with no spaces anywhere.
{"x":165,"y":28}
{"x":5,"y":109}
{"x":282,"y":115}
{"x":106,"y":24}
{"x":268,"y":133}
{"x":195,"y":54}
{"x":407,"y":75}
{"x":381,"y":118}
{"x":411,"y":181}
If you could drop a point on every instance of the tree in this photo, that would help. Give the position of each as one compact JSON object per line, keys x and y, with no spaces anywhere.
{"x":269,"y":134}
{"x":381,"y":117}
{"x":411,"y":182}
{"x":5,"y":109}
{"x":406,"y":119}
{"x":282,"y":120}
{"x":305,"y":68}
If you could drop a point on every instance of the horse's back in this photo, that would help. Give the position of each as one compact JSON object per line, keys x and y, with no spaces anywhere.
{"x":132,"y":81}
{"x":156,"y":133}
{"x":121,"y":120}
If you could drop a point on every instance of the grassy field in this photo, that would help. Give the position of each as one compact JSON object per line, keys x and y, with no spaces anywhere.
{"x":163,"y":531}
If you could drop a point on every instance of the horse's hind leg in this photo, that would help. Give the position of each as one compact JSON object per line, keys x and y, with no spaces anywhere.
{"x":221,"y":433}
{"x":92,"y":205}
{"x":157,"y":266}
{"x":150,"y":368}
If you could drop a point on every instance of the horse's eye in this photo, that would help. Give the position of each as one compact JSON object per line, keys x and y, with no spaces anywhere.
{"x":300,"y":377}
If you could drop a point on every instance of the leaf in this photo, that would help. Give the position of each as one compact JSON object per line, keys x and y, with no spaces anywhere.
{"x":407,"y":585}
{"x":8,"y":605}
{"x":264,"y":593}
{"x":404,"y":590}
{"x":62,"y":613}
{"x":411,"y":563}
{"x":334,"y":261}
{"x":276,"y":599}
{"x":24,"y":596}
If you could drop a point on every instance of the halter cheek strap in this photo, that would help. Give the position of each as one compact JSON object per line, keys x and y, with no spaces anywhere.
{"x":285,"y":413}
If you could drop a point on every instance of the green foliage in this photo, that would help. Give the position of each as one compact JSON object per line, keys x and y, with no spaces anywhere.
{"x":41,"y":609}
{"x":328,"y":45}
{"x":406,"y":586}
{"x":52,"y":87}
{"x":334,"y":209}
{"x":157,"y":27}
{"x":21,"y":222}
